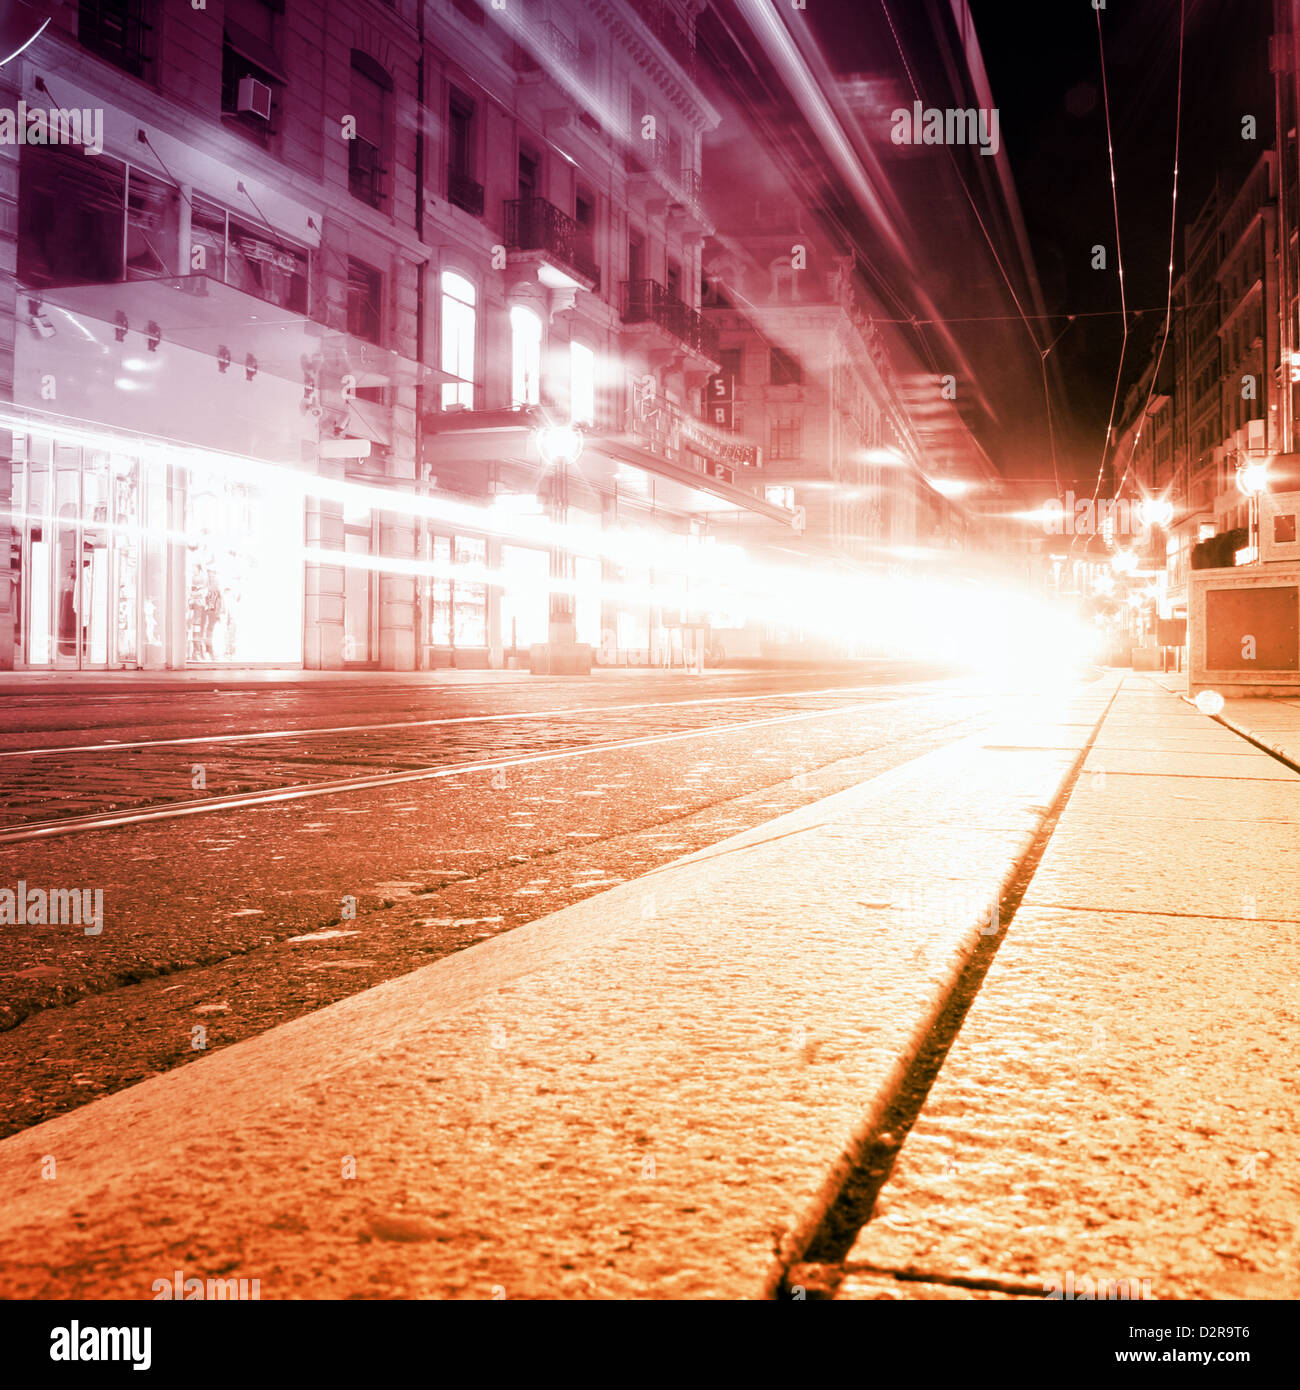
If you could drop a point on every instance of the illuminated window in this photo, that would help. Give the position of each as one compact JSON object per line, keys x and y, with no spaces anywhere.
{"x":780,"y":496}
{"x":525,"y":357}
{"x":458,"y":300}
{"x":582,"y":380}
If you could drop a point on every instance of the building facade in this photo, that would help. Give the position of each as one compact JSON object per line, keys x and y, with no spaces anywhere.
{"x":293,"y":314}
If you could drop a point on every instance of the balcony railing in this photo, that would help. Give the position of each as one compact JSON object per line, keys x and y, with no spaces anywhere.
{"x":465,"y":193}
{"x":664,"y":25}
{"x":691,"y":185}
{"x":533,"y":224}
{"x":647,"y":301}
{"x":544,"y":45}
{"x":644,"y":155}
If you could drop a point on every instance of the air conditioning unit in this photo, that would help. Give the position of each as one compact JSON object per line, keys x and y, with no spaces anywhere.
{"x":254,"y":98}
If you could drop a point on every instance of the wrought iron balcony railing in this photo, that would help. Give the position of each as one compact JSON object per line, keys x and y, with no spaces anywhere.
{"x":664,"y":25}
{"x":647,"y":301}
{"x":533,"y":224}
{"x":465,"y":193}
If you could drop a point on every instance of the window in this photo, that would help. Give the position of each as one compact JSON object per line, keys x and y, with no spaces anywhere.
{"x":367,"y":149}
{"x":525,"y":357}
{"x":249,"y":50}
{"x":780,"y":496}
{"x":786,"y":371}
{"x":458,"y":607}
{"x":78,"y":213}
{"x":458,"y":301}
{"x":582,"y":384}
{"x":635,"y":255}
{"x":115,"y":30}
{"x":529,"y":174}
{"x":730,"y":359}
{"x":470,"y":10}
{"x":365,"y":295}
{"x":673,"y":280}
{"x":462,"y":188}
{"x":787,"y":440}
{"x":249,"y":256}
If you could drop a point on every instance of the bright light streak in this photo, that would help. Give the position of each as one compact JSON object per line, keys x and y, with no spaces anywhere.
{"x":950,"y":487}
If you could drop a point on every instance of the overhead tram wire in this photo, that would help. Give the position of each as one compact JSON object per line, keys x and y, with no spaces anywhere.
{"x":1119,"y":261}
{"x":1173,"y":224}
{"x":1025,"y":317}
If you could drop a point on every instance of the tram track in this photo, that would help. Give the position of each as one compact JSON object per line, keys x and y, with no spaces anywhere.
{"x":89,"y":789}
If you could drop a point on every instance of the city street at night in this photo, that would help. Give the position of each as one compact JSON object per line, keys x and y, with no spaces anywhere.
{"x":650,"y":654}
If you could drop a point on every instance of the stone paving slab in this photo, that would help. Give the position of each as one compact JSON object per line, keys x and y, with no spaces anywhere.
{"x":1121,"y":1102}
{"x":640,"y":1095}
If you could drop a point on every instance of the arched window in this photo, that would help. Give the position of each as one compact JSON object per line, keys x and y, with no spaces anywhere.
{"x":525,"y":357}
{"x":458,"y":314}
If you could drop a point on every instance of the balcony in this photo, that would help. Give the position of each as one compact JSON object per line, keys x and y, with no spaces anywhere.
{"x":647,"y":301}
{"x":544,"y":46}
{"x":645,"y":155}
{"x":664,"y":25}
{"x":534,"y":225}
{"x":464,"y":193}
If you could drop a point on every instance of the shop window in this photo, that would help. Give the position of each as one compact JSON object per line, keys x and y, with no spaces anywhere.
{"x":116,"y":30}
{"x":582,"y":382}
{"x":365,"y":297}
{"x":367,"y":150}
{"x":458,"y":600}
{"x":525,"y":602}
{"x":243,"y":581}
{"x":525,"y":357}
{"x":786,"y":370}
{"x":252,"y":75}
{"x":458,"y":315}
{"x":248,"y":256}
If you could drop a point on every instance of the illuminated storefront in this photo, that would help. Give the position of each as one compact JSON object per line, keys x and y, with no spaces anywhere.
{"x":127,"y":560}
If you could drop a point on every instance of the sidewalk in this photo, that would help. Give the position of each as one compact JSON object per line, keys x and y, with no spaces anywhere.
{"x":1121,"y":1102}
{"x":647,"y":1094}
{"x":1275,"y":723}
{"x":658,"y":1091}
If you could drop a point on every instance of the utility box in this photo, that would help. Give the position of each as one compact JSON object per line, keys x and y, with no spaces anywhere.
{"x":1244,"y":630}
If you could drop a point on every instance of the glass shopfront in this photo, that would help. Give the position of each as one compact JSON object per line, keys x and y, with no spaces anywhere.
{"x":98,"y":557}
{"x":243,"y":572}
{"x":457,"y":604}
{"x":92,"y":577}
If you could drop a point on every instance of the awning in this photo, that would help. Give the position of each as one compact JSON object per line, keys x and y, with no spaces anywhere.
{"x":610,"y":464}
{"x":205,"y":315}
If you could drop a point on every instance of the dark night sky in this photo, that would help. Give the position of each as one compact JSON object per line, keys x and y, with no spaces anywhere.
{"x":1044,"y":70}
